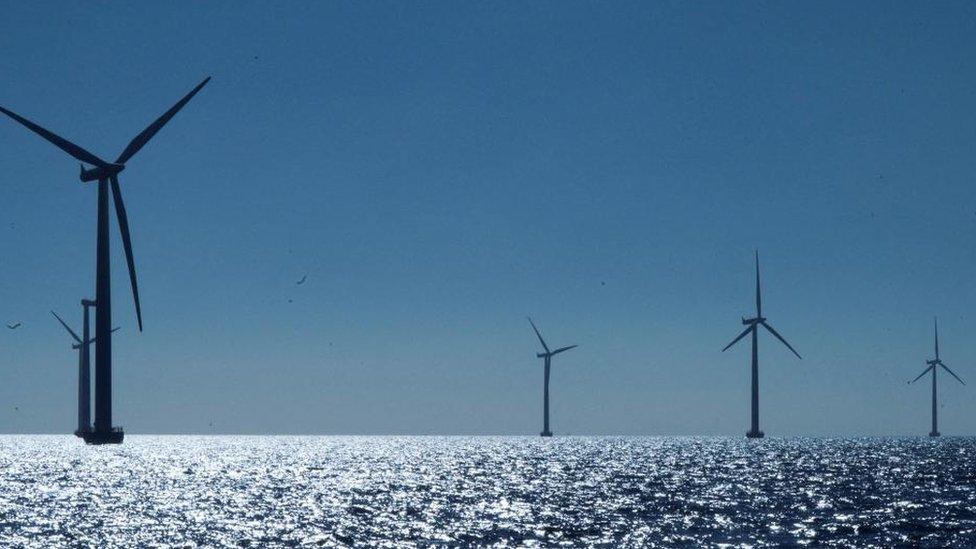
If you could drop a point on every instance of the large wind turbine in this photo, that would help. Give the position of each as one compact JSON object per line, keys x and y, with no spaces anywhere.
{"x":106,"y":173}
{"x":932,"y":365}
{"x":82,"y":345}
{"x":547,"y":360}
{"x":753,"y":328}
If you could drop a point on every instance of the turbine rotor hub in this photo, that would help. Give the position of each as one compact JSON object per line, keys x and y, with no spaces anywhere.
{"x":97,"y":173}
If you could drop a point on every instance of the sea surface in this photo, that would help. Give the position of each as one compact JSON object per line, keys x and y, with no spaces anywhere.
{"x":262,"y":491}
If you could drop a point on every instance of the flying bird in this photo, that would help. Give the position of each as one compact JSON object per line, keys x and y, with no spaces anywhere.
{"x":302,"y":281}
{"x":13,"y":326}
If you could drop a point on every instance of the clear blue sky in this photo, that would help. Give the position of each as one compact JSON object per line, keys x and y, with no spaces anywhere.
{"x":441,"y":170}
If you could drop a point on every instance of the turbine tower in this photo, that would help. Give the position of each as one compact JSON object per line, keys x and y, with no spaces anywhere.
{"x":547,"y":361}
{"x":82,"y":345}
{"x":106,"y":173}
{"x":932,"y":366}
{"x":752,"y":327}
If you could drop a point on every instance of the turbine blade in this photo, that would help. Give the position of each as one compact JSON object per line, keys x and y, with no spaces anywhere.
{"x":953,"y":374}
{"x":779,"y":337}
{"x":140,"y":140}
{"x":758,"y":292}
{"x":70,"y":331}
{"x":126,"y":244}
{"x":557,"y":351}
{"x":67,"y":146}
{"x":937,"y":338}
{"x":92,"y":340}
{"x":925,"y":371}
{"x":542,"y":341}
{"x":736,"y":340}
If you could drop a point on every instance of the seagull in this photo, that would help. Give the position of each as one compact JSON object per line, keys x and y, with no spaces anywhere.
{"x":13,"y":326}
{"x":302,"y":281}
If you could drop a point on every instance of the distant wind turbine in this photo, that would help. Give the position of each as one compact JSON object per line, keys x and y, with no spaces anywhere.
{"x":932,"y":367}
{"x":547,"y":360}
{"x":82,"y":345}
{"x":753,"y":328}
{"x":106,"y":173}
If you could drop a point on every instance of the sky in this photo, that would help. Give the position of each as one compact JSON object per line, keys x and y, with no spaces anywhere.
{"x":441,"y":170}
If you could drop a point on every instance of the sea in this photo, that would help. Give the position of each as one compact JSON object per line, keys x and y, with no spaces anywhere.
{"x":336,"y":491}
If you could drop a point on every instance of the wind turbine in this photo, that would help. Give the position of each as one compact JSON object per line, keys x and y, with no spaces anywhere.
{"x":106,"y":173}
{"x":932,"y":366}
{"x":752,"y":326}
{"x":84,"y":377}
{"x":547,"y":360}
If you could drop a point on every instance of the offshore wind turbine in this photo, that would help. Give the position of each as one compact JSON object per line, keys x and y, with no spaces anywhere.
{"x":82,"y":345}
{"x":547,"y":361}
{"x":752,"y":326}
{"x":933,"y":367}
{"x":106,"y":173}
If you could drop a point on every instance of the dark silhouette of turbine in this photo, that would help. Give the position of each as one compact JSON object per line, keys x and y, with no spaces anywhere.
{"x":82,"y":345}
{"x":547,"y":361}
{"x":932,"y":366}
{"x":752,"y":327}
{"x":106,"y":173}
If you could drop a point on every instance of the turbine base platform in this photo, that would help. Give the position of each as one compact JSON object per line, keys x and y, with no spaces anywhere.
{"x":82,"y":433}
{"x":114,"y":436}
{"x":755,"y":434}
{"x":545,"y":434}
{"x":935,"y":434}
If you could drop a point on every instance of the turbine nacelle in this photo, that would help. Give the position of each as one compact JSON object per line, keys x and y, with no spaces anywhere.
{"x":108,"y":172}
{"x":753,"y":324}
{"x":100,"y":172}
{"x":548,"y":352}
{"x":933,"y":365}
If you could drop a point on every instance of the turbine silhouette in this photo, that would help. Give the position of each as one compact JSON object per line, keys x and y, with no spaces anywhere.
{"x":106,"y":173}
{"x":547,"y":361}
{"x":932,"y":366}
{"x":82,"y":345}
{"x":752,"y":327}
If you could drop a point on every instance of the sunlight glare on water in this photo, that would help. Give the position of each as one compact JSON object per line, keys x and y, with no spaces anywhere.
{"x":486,"y":491}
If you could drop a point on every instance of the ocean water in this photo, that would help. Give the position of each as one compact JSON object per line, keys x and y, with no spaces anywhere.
{"x":230,"y":491}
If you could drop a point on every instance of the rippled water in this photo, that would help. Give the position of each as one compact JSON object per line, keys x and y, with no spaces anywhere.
{"x":421,"y":491}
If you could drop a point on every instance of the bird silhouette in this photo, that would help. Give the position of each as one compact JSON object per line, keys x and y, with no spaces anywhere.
{"x":302,"y":281}
{"x":13,"y":326}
